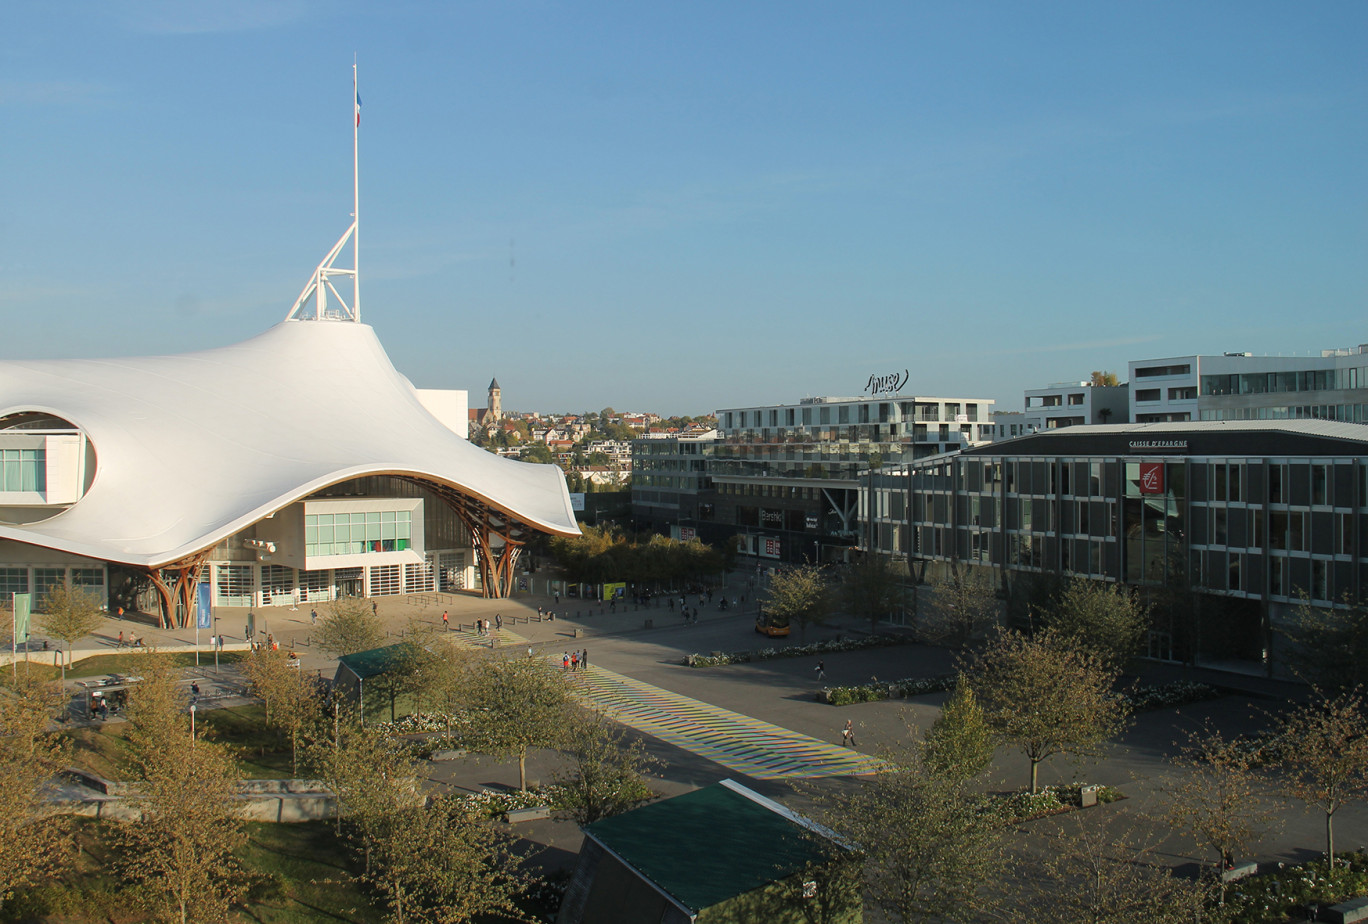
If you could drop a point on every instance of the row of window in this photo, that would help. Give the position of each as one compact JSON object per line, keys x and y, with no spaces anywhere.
{"x":357,"y":533}
{"x":239,"y":585}
{"x":1353,"y":413}
{"x":869,"y":412}
{"x":22,"y":579}
{"x":1261,"y":383}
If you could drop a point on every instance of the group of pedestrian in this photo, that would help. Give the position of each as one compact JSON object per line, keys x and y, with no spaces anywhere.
{"x":482,"y":627}
{"x":574,"y":660}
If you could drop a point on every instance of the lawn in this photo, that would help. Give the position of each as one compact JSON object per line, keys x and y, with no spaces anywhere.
{"x":261,"y":753}
{"x":126,"y":662}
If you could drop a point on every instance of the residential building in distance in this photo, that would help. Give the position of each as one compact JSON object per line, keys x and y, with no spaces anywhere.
{"x":1241,"y":386}
{"x":1008,"y":425}
{"x":1071,"y":404}
{"x":785,"y":478}
{"x":671,"y":488}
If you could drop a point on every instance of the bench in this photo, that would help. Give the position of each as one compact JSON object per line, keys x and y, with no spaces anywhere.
{"x":1239,"y":871}
{"x":1348,"y":912}
{"x":536,"y":813}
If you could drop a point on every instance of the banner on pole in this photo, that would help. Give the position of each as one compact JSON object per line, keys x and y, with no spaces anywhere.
{"x":203,"y":611}
{"x":23,"y":608}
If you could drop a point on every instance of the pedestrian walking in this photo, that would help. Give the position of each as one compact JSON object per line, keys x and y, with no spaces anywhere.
{"x":565,"y":660}
{"x":558,"y":598}
{"x":375,"y":608}
{"x":313,"y":617}
{"x":498,"y":621}
{"x":584,"y":659}
{"x":446,"y":620}
{"x":848,"y":734}
{"x":821,"y":670}
{"x":574,"y":661}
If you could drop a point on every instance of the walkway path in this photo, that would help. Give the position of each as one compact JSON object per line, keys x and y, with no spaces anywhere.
{"x":737,"y":742}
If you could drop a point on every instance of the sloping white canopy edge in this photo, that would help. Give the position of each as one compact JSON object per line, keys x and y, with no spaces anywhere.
{"x":192,"y":448}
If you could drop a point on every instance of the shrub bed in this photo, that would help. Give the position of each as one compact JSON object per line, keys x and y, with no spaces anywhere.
{"x":795,"y":651}
{"x":1273,"y":897}
{"x":1051,"y":800}
{"x":886,"y":689}
{"x":1170,"y":695}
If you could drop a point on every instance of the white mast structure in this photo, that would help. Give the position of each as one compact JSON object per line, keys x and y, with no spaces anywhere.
{"x":314,"y":303}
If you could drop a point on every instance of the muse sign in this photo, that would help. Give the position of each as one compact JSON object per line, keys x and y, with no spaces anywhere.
{"x":888,"y":384}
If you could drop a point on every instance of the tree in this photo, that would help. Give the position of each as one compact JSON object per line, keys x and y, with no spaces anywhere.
{"x":928,"y":846}
{"x":1324,"y":746}
{"x":437,"y":863}
{"x":872,"y":589}
{"x":606,"y":777}
{"x":966,"y":605}
{"x":1103,"y":619}
{"x":1330,"y":647}
{"x":438,"y":670}
{"x":800,"y":593}
{"x":292,"y":701}
{"x":349,"y":626}
{"x":522,"y":703}
{"x":1103,"y":379}
{"x":30,"y":844}
{"x":959,"y":745}
{"x":1045,"y":697}
{"x":70,"y":614}
{"x":1095,"y":874}
{"x":371,"y":776}
{"x":1218,"y":798}
{"x":182,"y":848}
{"x":538,"y":452}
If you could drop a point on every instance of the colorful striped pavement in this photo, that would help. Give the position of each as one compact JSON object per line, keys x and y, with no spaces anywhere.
{"x":737,"y":742}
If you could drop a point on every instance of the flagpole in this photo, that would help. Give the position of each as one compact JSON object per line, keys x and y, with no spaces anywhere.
{"x":356,"y":200}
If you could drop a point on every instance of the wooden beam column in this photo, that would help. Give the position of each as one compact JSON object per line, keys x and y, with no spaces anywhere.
{"x":184,"y":576}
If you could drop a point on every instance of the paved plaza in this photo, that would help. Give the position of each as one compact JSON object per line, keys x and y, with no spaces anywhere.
{"x":761,"y":722}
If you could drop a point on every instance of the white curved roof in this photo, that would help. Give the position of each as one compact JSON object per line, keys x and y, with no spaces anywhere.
{"x":192,"y":448}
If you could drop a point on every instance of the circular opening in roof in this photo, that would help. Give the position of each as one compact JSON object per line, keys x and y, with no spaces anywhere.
{"x":47,"y":463}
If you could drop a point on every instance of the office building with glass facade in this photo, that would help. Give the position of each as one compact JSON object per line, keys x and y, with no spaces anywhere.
{"x":1223,"y":526}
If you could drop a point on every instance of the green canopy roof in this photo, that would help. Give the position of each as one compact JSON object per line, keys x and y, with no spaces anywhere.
{"x":376,"y":661}
{"x":713,"y":844}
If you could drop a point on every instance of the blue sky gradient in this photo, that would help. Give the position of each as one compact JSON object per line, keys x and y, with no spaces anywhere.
{"x":680,"y":207}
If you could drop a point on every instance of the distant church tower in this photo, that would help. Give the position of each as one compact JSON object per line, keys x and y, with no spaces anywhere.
{"x":495,"y":400}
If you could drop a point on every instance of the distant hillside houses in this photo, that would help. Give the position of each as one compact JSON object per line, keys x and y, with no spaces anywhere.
{"x":594,"y":449}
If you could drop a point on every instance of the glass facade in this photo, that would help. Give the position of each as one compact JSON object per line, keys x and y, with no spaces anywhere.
{"x":357,"y":533}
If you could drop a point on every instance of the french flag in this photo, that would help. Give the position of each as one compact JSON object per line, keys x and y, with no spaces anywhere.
{"x":358,"y":109}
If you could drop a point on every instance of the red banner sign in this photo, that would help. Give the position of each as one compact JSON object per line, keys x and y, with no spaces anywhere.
{"x":1151,"y":477}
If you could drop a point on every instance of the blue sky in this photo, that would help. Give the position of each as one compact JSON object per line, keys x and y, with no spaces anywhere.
{"x":685,"y":206}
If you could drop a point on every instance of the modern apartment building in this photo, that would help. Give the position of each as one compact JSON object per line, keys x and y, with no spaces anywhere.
{"x":1241,"y":386}
{"x":1072,"y":404}
{"x":785,"y":478}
